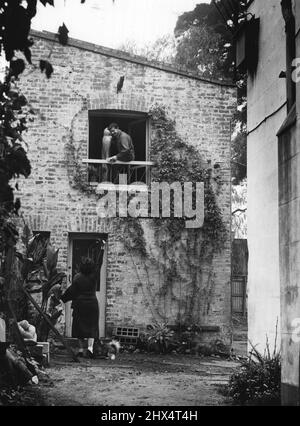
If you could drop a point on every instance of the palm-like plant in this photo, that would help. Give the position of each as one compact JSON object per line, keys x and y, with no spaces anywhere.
{"x":41,"y":258}
{"x":159,"y":335}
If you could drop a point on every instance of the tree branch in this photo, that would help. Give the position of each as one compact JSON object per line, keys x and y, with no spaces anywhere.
{"x":239,"y":211}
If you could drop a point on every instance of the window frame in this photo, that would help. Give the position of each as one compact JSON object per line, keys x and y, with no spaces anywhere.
{"x":122,"y":114}
{"x":114,"y":114}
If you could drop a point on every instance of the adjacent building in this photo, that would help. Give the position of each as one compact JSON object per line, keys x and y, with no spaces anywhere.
{"x":273,"y":181}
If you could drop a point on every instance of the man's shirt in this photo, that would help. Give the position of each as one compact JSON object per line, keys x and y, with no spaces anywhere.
{"x":124,"y":147}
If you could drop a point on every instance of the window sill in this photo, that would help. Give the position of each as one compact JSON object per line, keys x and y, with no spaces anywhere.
{"x":131,"y":163}
{"x":135,"y":176}
{"x":120,"y":188}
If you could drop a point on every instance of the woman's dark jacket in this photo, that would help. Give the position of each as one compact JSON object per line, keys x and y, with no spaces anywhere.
{"x":85,"y":306}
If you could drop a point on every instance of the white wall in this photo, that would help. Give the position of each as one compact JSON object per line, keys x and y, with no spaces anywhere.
{"x":289,"y":151}
{"x":266,"y":94}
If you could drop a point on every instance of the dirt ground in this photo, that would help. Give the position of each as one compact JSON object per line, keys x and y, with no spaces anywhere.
{"x":135,"y":379}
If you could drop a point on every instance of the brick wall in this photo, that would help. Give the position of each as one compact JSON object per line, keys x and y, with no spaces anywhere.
{"x":85,"y":78}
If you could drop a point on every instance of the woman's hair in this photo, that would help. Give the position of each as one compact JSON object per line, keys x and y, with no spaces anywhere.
{"x":106,"y":132}
{"x":86,"y":266}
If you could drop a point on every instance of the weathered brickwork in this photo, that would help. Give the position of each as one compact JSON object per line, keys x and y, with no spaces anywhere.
{"x":84,"y":79}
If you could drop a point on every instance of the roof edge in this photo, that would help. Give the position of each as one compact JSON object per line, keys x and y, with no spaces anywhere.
{"x":118,"y":54}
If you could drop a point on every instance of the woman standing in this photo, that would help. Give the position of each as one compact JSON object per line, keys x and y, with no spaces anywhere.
{"x":105,"y":153}
{"x":82,"y":292}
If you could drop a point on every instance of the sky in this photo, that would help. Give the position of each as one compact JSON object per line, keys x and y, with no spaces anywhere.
{"x":110,"y":23}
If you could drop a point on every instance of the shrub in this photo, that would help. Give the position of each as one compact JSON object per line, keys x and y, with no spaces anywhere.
{"x":258,"y":381}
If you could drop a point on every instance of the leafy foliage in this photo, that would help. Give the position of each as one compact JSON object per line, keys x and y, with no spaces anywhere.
{"x":177,"y":161}
{"x":17,"y":67}
{"x":162,"y":50}
{"x":47,"y":67}
{"x":239,"y":143}
{"x":40,"y":260}
{"x":45,"y":2}
{"x":239,"y":210}
{"x":135,"y":239}
{"x":13,"y":157}
{"x":164,"y":339}
{"x":239,"y":157}
{"x":259,"y":380}
{"x":205,"y":43}
{"x":15,"y":21}
{"x":233,"y":12}
{"x":158,"y":338}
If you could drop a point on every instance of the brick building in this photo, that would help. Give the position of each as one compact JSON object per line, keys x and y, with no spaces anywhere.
{"x":76,"y":103}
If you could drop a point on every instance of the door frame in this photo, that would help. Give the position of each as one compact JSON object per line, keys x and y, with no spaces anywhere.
{"x":101,"y":296}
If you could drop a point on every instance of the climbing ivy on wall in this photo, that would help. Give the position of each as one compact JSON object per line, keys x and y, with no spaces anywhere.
{"x":177,"y":161}
{"x":76,"y":170}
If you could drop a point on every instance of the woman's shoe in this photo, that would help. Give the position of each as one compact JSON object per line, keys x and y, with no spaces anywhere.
{"x":89,"y":354}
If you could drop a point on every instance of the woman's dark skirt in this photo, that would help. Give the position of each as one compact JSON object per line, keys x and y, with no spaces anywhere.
{"x":85,"y":318}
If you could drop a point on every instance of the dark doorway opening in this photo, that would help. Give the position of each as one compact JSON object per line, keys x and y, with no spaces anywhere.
{"x":92,"y":248}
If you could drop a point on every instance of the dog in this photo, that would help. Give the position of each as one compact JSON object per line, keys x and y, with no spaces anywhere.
{"x":108,"y":348}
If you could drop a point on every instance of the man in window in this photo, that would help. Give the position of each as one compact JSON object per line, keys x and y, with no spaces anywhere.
{"x":122,"y":143}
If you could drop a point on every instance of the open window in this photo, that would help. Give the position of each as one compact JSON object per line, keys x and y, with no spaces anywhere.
{"x":133,"y":123}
